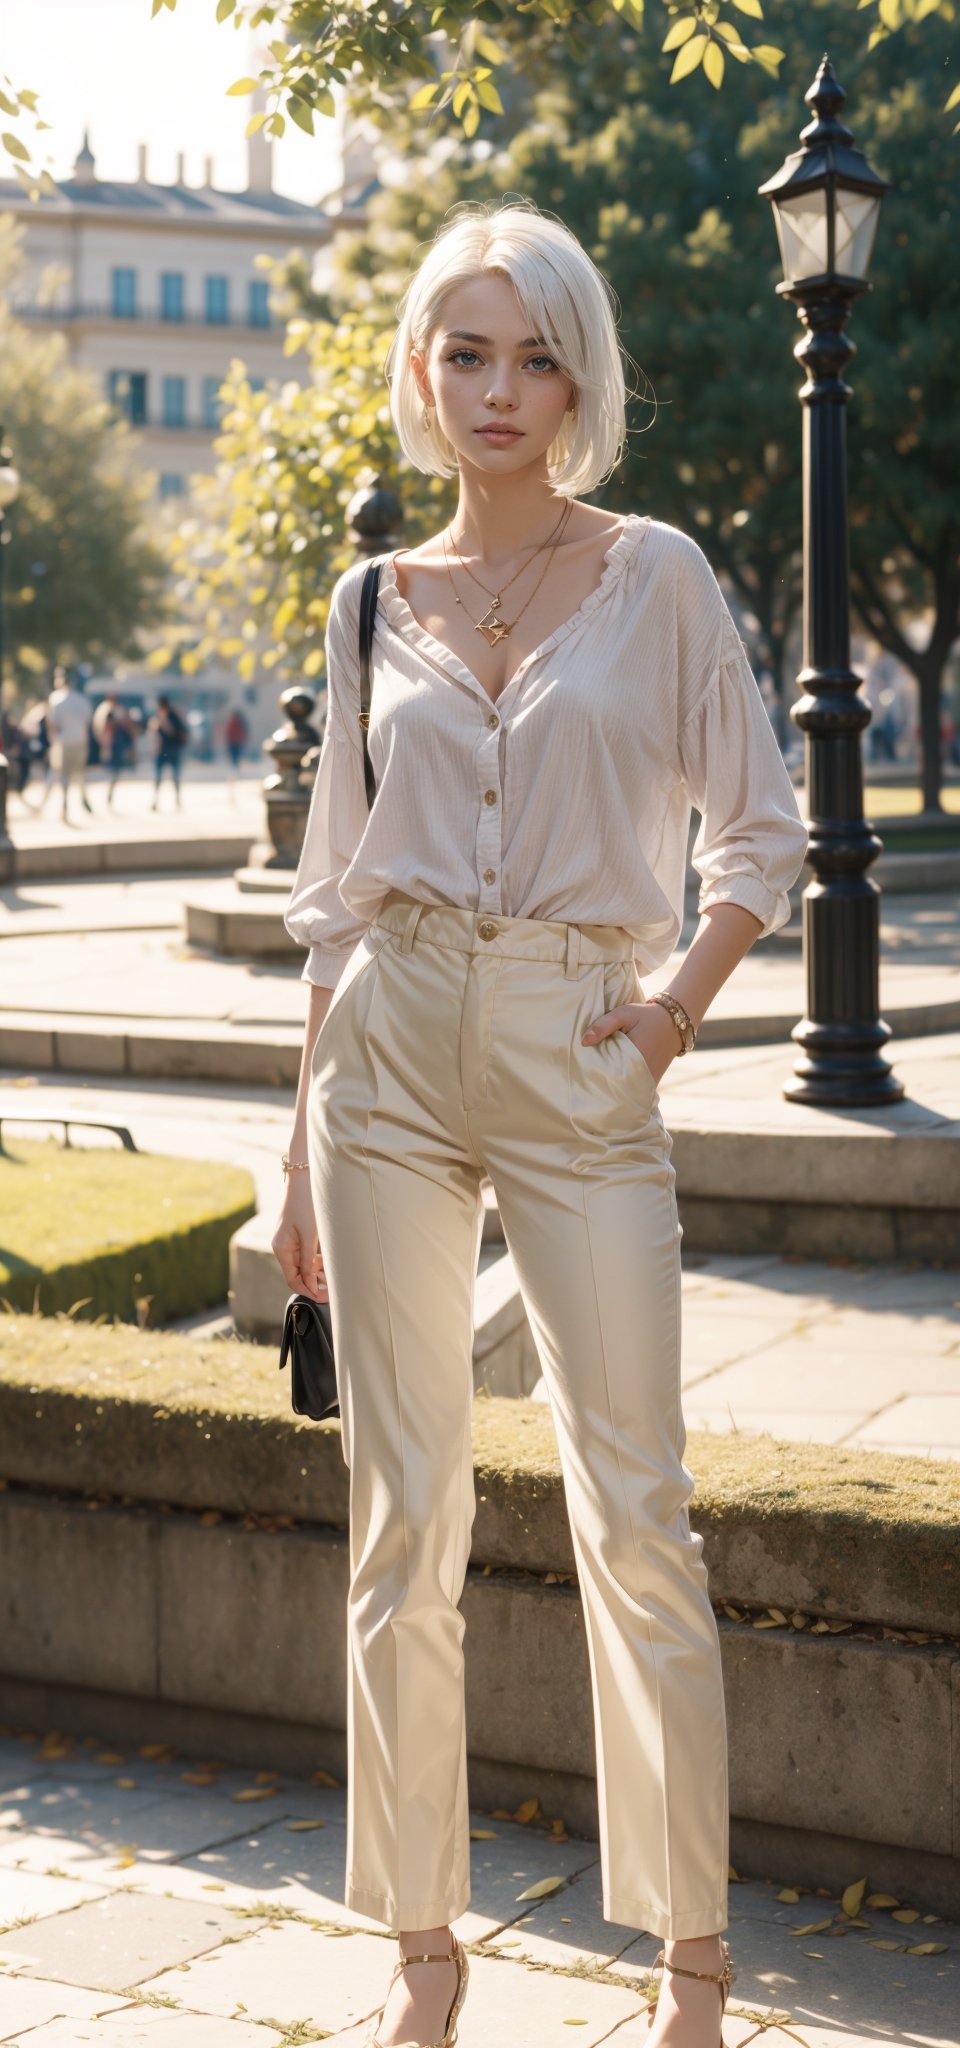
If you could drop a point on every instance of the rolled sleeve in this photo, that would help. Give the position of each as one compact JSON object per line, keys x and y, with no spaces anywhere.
{"x":316,"y":915}
{"x":752,"y":840}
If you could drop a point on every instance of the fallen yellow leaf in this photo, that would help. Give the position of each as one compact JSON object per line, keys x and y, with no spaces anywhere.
{"x":898,"y":1945}
{"x":930,"y":1919}
{"x":788,"y":1898}
{"x":254,"y":1792}
{"x":124,"y":1863}
{"x":527,"y":1810}
{"x":197,"y":1778}
{"x":814,"y":1953}
{"x":268,"y":1777}
{"x":210,"y":1518}
{"x":109,"y":1756}
{"x":304,"y":1827}
{"x":813,"y":1927}
{"x":906,"y":1913}
{"x":542,"y":1889}
{"x":882,"y":1899}
{"x":852,"y":1898}
{"x":928,"y":1948}
{"x":861,"y":1923}
{"x":735,"y":1613}
{"x":153,"y":1751}
{"x":213,"y":1887}
{"x":324,"y":1778}
{"x":483,"y":1834}
{"x":126,"y":1784}
{"x":776,"y":1615}
{"x":574,"y":2023}
{"x":764,"y":1621}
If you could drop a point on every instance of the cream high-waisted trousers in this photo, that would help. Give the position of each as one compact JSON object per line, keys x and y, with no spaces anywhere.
{"x":451,"y":1052}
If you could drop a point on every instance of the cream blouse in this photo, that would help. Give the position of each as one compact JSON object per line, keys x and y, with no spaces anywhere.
{"x":571,"y":797}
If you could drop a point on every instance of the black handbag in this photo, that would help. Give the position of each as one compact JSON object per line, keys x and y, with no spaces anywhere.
{"x":307,"y":1344}
{"x":307,"y":1340}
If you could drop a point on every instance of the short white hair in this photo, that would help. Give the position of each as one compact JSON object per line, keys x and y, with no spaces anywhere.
{"x":564,"y":297}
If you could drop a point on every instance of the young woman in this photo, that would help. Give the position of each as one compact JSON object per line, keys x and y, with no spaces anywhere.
{"x":552,"y":687}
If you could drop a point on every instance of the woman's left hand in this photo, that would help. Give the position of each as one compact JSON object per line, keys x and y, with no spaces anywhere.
{"x":651,"y":1028}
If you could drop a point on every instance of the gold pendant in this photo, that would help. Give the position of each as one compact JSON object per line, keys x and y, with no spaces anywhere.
{"x":492,"y":626}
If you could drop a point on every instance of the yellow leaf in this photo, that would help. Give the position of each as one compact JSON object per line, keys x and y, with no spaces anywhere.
{"x":542,"y":1889}
{"x":681,"y":32}
{"x":483,"y":1835}
{"x":155,"y":1751}
{"x":788,"y":1897}
{"x":423,"y":97}
{"x":126,"y":1784}
{"x":928,"y":1948}
{"x":930,"y":1919}
{"x":734,"y":1612}
{"x":213,"y":1887}
{"x":527,"y":1810}
{"x":198,"y":1778}
{"x":713,"y":64}
{"x":812,"y":1927}
{"x":304,"y":1827}
{"x":776,"y":1614}
{"x":751,"y":7}
{"x":852,"y":1899}
{"x":241,"y":88}
{"x":906,"y":1913}
{"x":109,"y":1756}
{"x":124,"y":1863}
{"x":324,"y":1778}
{"x":254,"y":1792}
{"x":898,"y":1945}
{"x":882,"y":1899}
{"x":688,"y":58}
{"x":575,"y":2023}
{"x":764,"y":1621}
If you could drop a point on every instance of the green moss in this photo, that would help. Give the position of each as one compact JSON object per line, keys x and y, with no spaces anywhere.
{"x":116,"y":1230}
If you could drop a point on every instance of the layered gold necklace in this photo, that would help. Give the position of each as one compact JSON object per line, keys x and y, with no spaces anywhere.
{"x":493,"y":625}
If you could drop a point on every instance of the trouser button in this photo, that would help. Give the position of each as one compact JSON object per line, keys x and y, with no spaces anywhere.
{"x":486,"y":929}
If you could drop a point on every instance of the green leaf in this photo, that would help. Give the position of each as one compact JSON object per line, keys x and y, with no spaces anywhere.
{"x":301,"y":114}
{"x":276,"y":125}
{"x":241,"y":88}
{"x":225,"y":8}
{"x":681,"y":32}
{"x":688,"y":58}
{"x":13,"y":145}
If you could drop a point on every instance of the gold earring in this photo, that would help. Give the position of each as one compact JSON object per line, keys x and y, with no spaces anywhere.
{"x":426,"y":415}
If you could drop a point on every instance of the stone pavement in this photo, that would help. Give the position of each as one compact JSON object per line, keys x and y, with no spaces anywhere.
{"x":150,"y":1902}
{"x":848,"y":1352}
{"x":215,"y":826}
{"x":60,"y":961}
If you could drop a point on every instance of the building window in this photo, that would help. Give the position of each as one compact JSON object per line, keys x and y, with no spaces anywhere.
{"x":259,"y":302}
{"x":172,"y":485}
{"x":174,"y":401}
{"x":212,"y":405}
{"x":127,"y":390}
{"x":124,"y":298}
{"x":217,"y":298}
{"x":171,"y":295}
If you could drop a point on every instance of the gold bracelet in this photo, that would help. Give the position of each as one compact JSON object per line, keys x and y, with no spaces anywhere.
{"x":294,"y":1165}
{"x":681,"y":1018}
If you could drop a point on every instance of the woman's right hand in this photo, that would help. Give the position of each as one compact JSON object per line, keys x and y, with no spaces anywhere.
{"x":296,"y":1244}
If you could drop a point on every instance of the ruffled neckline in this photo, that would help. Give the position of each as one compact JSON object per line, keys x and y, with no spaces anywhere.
{"x":622,"y":549}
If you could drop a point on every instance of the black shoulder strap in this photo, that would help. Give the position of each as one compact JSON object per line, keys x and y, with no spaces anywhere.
{"x":368,"y":610}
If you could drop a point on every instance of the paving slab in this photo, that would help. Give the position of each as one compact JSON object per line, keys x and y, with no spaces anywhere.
{"x":27,"y":2006}
{"x":114,"y":1942}
{"x":28,"y":1895}
{"x":139,"y":2027}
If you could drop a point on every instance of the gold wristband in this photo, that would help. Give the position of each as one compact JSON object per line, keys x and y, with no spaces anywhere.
{"x":681,"y":1018}
{"x":294,"y":1165}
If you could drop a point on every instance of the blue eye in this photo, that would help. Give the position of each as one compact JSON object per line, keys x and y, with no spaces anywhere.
{"x":457,"y":354}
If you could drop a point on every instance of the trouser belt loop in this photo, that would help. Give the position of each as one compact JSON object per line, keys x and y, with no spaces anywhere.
{"x":411,"y":922}
{"x":572,"y":968}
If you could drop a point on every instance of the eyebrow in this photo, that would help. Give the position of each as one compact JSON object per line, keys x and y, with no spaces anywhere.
{"x":461,"y":334}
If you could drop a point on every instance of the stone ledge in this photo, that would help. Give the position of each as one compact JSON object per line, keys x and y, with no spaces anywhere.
{"x":164,"y":1418}
{"x":854,"y":1741}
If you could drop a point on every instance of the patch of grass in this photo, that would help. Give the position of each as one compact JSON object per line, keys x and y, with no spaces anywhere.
{"x":110,"y":1233}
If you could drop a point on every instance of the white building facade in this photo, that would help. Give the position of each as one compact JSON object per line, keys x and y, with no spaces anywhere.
{"x":157,"y":290}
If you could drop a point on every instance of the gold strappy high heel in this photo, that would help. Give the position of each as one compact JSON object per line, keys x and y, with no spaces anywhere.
{"x":458,"y":1956}
{"x":722,"y":1977}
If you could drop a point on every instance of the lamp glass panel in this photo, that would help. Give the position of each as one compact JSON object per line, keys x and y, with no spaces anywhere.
{"x":802,"y":233}
{"x":857,"y":215}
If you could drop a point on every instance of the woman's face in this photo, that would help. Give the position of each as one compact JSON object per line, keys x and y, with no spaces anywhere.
{"x":483,"y":368}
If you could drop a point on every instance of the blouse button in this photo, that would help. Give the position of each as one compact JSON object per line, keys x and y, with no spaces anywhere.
{"x":489,"y":874}
{"x":489,"y":796}
{"x":493,"y":720}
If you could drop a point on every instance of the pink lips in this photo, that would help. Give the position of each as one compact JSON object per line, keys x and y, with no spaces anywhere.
{"x":499,"y":433}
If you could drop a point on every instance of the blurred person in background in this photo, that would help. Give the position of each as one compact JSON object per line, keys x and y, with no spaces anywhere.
{"x":68,"y":718}
{"x":114,"y":734}
{"x":170,"y":732}
{"x":236,"y":735}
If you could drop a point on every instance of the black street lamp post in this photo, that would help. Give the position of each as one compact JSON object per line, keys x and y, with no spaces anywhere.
{"x":826,"y":203}
{"x":9,"y":488}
